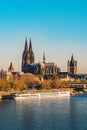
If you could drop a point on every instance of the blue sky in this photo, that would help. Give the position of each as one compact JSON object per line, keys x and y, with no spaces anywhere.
{"x":58,"y":27}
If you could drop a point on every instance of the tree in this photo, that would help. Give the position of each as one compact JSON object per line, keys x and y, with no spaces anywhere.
{"x":46,"y":84}
{"x":18,"y":85}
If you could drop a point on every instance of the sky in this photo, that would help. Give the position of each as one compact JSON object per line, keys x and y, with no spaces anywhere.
{"x":56,"y":27}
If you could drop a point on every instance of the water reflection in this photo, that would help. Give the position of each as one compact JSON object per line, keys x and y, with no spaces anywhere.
{"x":41,"y":113}
{"x":44,"y":114}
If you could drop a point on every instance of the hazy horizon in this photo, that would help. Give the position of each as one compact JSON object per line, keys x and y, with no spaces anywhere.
{"x":56,"y":27}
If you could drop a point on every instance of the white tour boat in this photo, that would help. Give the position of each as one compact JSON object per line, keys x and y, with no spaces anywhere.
{"x":42,"y":95}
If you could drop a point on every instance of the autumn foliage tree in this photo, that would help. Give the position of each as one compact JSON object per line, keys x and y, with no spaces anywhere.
{"x":4,"y":85}
{"x":54,"y":84}
{"x":46,"y":84}
{"x":19,"y":83}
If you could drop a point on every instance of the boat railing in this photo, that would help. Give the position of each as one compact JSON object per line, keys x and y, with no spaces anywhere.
{"x":44,"y":94}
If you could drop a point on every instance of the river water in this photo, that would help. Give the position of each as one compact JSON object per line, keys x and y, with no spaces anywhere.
{"x":45,"y":114}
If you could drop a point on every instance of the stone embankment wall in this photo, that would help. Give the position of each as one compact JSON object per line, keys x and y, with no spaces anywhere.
{"x":6,"y":95}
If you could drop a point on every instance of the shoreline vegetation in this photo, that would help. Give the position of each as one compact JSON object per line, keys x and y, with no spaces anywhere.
{"x":33,"y":84}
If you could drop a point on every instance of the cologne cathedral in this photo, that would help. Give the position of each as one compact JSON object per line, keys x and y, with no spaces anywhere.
{"x":28,"y":60}
{"x":29,"y":65}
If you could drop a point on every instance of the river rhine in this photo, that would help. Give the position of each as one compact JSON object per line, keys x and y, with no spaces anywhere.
{"x":47,"y":114}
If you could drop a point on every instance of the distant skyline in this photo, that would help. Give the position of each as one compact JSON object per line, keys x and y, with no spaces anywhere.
{"x":56,"y":27}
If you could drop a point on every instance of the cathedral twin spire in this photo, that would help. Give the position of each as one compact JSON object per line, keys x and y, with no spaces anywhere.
{"x":28,"y":55}
{"x":26,"y":45}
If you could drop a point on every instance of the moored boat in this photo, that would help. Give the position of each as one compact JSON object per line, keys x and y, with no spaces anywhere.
{"x":42,"y":95}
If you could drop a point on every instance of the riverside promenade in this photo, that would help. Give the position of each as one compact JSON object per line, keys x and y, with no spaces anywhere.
{"x":9,"y":95}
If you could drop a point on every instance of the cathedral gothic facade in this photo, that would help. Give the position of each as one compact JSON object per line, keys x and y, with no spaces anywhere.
{"x":28,"y":55}
{"x":28,"y":60}
{"x":29,"y":65}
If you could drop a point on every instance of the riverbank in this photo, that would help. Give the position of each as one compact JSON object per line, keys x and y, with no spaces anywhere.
{"x":9,"y":95}
{"x":6,"y":95}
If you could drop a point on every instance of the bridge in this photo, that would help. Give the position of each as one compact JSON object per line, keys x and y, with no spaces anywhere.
{"x":79,"y":84}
